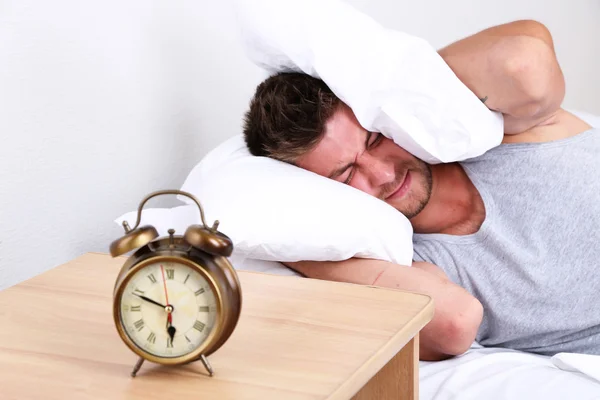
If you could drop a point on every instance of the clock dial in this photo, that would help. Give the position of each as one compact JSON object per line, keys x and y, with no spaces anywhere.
{"x":155,"y":290}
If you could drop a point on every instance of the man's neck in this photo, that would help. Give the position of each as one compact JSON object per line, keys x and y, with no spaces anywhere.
{"x":454,"y":207}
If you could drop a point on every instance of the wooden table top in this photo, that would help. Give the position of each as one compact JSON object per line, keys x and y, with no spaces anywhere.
{"x":297,"y":338}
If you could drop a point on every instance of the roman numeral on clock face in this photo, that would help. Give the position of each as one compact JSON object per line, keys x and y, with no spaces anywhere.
{"x":151,"y":338}
{"x":199,"y":326}
{"x":170,"y":273}
{"x":139,"y":324}
{"x":138,"y":292}
{"x":199,"y":291}
{"x":135,"y":308}
{"x":152,"y":278}
{"x":203,"y":309}
{"x":169,"y":343}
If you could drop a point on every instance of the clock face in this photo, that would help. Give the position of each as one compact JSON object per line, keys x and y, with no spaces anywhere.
{"x":168,"y":309}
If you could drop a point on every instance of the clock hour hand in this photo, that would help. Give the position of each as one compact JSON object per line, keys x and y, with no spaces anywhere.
{"x":171,"y":331}
{"x":149,"y":300}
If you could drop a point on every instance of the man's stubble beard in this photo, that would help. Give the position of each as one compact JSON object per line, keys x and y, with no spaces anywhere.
{"x":420,"y":193}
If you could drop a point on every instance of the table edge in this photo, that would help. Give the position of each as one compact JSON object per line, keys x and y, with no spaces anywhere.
{"x":377,"y":361}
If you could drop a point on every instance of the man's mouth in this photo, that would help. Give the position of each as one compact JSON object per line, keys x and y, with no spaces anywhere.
{"x":402,"y":188}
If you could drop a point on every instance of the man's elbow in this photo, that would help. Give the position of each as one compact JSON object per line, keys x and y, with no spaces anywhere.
{"x":452,"y":330}
{"x":534,"y":70}
{"x":461,"y":329}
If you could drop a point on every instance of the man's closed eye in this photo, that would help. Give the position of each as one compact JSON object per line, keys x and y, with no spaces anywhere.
{"x":373,"y":139}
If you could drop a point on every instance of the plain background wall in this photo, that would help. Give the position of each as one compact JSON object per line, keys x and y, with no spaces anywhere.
{"x":104,"y":102}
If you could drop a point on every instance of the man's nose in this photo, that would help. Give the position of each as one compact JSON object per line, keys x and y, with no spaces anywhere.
{"x":379,"y":171}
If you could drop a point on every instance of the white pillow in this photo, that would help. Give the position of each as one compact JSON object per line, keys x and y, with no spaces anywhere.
{"x":278,"y":212}
{"x":395,"y":83}
{"x":319,"y":219}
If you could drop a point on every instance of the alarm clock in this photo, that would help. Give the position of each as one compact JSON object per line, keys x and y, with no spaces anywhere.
{"x":177,"y":299}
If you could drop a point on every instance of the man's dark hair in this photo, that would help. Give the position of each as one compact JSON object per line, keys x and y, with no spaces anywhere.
{"x":287,"y":116}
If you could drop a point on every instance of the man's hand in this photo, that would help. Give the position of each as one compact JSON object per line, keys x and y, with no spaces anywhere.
{"x":457,"y":314}
{"x":513,"y":67}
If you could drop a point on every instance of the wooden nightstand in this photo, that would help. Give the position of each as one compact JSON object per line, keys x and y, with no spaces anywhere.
{"x":296,"y":339}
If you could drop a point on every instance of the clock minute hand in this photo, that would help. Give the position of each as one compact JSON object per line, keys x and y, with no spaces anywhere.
{"x":149,"y":300}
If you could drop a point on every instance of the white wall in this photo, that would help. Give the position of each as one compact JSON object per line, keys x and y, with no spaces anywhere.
{"x":104,"y":102}
{"x":101,"y":103}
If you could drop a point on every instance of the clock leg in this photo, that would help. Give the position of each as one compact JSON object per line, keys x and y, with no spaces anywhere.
{"x":137,"y":367}
{"x":206,"y":365}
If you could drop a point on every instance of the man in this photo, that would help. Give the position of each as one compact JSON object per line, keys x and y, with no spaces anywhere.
{"x":507,"y":243}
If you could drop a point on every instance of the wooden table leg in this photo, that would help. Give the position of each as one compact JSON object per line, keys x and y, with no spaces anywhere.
{"x":398,"y":379}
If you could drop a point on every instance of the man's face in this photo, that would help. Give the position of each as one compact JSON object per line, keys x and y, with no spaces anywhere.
{"x":370,"y":162}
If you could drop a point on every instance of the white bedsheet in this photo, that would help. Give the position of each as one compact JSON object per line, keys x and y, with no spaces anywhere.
{"x":495,"y":374}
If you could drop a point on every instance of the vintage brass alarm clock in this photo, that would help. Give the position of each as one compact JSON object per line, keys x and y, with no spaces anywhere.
{"x":177,"y":299}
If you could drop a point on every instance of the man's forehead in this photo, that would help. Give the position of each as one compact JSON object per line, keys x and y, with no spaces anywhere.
{"x":342,"y":131}
{"x":343,"y":123}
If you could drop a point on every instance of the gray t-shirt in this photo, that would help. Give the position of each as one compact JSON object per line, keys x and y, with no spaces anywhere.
{"x":535,"y":262}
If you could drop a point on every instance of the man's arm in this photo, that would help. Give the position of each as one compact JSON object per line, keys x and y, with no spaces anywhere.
{"x":457,"y":314}
{"x":513,"y":67}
